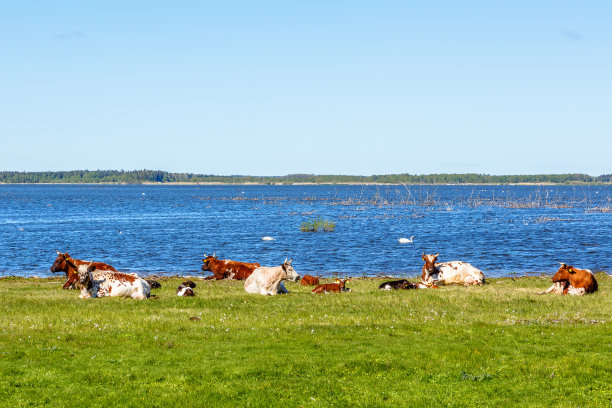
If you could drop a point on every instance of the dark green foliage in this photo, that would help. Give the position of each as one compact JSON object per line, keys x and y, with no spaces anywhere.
{"x":158,"y":176}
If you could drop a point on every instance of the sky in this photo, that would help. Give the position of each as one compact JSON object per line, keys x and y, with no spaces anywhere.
{"x":317,"y":87}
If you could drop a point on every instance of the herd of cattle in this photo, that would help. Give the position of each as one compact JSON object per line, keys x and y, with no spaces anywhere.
{"x":98,"y":279}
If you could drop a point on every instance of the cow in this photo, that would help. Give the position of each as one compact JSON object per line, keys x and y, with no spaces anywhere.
{"x":337,"y":287}
{"x":186,"y":289}
{"x":153,"y":284}
{"x":572,"y":281}
{"x":224,"y":268}
{"x":398,"y":284}
{"x":268,"y":280}
{"x":447,"y":273}
{"x":309,"y":280}
{"x":71,"y":267}
{"x":101,"y":283}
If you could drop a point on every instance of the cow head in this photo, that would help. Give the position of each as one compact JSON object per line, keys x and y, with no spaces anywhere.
{"x":206,"y":261}
{"x":60,"y":262}
{"x":85,"y":276}
{"x":565,"y":273}
{"x":429,"y":269}
{"x":289,"y":271}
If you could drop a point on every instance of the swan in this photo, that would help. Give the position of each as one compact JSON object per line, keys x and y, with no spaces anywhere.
{"x":406,"y":240}
{"x":267,"y":239}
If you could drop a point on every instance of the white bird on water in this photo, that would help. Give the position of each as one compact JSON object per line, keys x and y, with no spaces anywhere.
{"x":406,"y":240}
{"x":267,"y":239}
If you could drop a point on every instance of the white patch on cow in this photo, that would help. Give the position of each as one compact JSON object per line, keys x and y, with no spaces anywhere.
{"x":181,"y":291}
{"x":576,"y":291}
{"x":386,"y":287}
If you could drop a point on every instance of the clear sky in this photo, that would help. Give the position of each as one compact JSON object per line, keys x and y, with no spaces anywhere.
{"x":326,"y":87}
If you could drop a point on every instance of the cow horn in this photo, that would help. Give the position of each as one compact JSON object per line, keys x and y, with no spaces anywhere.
{"x":205,"y":256}
{"x":214,"y":254}
{"x":58,"y":252}
{"x":437,"y":255}
{"x":285,"y":261}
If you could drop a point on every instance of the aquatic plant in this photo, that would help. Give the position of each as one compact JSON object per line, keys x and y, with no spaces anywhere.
{"x":318,"y":224}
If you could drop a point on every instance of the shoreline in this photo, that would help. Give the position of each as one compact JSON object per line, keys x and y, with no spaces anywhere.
{"x":214,"y":183}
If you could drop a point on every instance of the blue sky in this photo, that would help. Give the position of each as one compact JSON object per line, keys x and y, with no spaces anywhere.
{"x":326,"y":87}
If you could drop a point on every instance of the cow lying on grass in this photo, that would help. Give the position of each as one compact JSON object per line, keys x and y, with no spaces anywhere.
{"x":268,"y":280}
{"x":186,"y":289}
{"x":572,"y":281}
{"x":71,"y":267}
{"x":309,"y":280}
{"x":337,"y":287}
{"x":448,"y":273}
{"x":101,"y":283}
{"x":398,"y":284}
{"x":225,"y":268}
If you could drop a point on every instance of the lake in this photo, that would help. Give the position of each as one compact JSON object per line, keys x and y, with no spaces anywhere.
{"x":161,"y":229}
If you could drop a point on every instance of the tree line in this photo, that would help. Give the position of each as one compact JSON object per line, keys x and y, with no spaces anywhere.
{"x":158,"y":176}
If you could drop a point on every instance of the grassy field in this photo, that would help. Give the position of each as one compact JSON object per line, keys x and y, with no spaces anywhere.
{"x":497,"y":345}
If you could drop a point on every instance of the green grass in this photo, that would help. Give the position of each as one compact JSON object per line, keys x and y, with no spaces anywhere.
{"x":497,"y":345}
{"x":318,"y":224}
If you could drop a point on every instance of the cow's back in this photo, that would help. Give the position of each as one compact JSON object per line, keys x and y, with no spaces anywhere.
{"x":459,"y":273}
{"x":117,"y":284}
{"x":264,"y":280}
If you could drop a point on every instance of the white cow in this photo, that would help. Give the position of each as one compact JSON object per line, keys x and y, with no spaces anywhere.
{"x":268,"y":280}
{"x":448,"y":273}
{"x":101,"y":283}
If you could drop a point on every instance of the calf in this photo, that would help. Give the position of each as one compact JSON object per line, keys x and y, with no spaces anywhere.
{"x":101,"y":283}
{"x":573,"y":281}
{"x":337,"y":287}
{"x":309,"y":280}
{"x":398,"y":284}
{"x":186,"y":289}
{"x":268,"y":280}
{"x":71,"y":267}
{"x":225,"y":268}
{"x":447,"y":273}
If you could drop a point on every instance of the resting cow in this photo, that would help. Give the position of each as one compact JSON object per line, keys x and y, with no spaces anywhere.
{"x":268,"y":280}
{"x":447,"y":273}
{"x":309,"y":280}
{"x":398,"y":284}
{"x":573,"y":281}
{"x":100,"y":283}
{"x":186,"y":289}
{"x":337,"y":287}
{"x":224,"y":268}
{"x":71,"y":267}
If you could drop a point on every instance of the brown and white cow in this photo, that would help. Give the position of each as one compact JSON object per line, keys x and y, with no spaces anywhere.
{"x":186,"y":289}
{"x":572,"y":281}
{"x":336,"y":287}
{"x":71,"y":267}
{"x":309,"y":280}
{"x":449,"y":273}
{"x":225,"y":268}
{"x":268,"y":280}
{"x":101,"y":283}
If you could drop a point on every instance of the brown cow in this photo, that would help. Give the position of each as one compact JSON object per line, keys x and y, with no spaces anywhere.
{"x":337,"y":287}
{"x":309,"y":280}
{"x":224,"y":268}
{"x":70,"y":266}
{"x":573,"y":281}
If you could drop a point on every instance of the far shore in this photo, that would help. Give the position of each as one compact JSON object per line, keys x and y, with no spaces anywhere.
{"x":304,"y":184}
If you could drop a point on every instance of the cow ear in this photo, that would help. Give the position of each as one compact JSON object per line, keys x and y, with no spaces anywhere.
{"x":571,"y":270}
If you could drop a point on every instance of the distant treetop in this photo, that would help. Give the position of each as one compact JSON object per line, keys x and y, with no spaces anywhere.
{"x":158,"y":176}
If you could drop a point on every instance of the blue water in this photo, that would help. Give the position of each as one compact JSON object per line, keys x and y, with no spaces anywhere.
{"x":503,"y":230}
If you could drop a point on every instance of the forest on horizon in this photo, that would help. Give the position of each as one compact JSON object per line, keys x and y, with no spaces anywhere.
{"x":158,"y":176}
